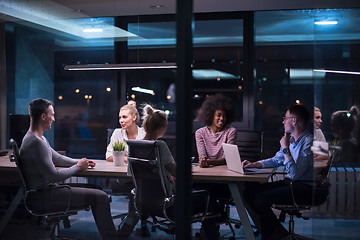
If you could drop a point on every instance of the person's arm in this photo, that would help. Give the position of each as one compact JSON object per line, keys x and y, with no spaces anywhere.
{"x":61,"y":160}
{"x":47,"y":167}
{"x":216,"y":162}
{"x":171,"y":167}
{"x":275,"y":161}
{"x":200,"y":144}
{"x":248,"y":164}
{"x":297,"y":165}
{"x":166,"y":158}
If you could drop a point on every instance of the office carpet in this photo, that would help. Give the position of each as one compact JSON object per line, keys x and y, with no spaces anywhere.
{"x":25,"y":227}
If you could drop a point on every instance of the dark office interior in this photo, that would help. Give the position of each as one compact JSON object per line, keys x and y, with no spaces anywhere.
{"x":263,"y":56}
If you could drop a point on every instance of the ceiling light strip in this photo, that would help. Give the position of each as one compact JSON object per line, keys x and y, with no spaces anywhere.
{"x":336,"y":71}
{"x":326,"y":22}
{"x":129,"y":66}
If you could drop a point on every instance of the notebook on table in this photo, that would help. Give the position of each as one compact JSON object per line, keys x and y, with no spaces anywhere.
{"x":233,"y":161}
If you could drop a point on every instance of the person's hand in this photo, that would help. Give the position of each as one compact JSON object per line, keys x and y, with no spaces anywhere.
{"x":248,"y":164}
{"x":83,"y":164}
{"x":285,"y":141}
{"x":204,"y":162}
{"x":91,"y":163}
{"x":126,"y":159}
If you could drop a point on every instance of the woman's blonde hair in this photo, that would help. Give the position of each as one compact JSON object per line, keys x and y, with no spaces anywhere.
{"x":133,"y":111}
{"x":153,"y":120}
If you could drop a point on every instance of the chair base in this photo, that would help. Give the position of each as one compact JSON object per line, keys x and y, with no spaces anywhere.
{"x":296,"y":237}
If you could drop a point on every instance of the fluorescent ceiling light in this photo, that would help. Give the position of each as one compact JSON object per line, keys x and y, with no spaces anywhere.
{"x":92,"y":30}
{"x":143,"y":90}
{"x":336,"y":71}
{"x":326,"y":22}
{"x":304,"y":73}
{"x":126,"y":66}
{"x":212,"y":74}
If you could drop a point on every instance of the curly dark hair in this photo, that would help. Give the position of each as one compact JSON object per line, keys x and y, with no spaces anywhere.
{"x":213,"y":103}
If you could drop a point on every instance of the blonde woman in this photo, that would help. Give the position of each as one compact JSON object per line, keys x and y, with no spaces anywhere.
{"x":128,"y":117}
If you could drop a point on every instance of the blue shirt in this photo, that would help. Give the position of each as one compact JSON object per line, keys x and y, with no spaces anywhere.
{"x":300,"y":165}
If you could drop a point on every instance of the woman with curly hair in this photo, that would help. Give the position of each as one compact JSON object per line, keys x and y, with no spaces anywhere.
{"x":216,"y":113}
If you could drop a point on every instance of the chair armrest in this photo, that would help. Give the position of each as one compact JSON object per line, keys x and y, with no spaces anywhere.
{"x":317,"y":186}
{"x":48,"y":189}
{"x":277,"y":171}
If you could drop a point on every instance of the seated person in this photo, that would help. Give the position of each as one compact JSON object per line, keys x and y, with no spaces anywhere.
{"x":318,"y":134}
{"x":295,"y":154}
{"x":40,"y":162}
{"x":128,"y":117}
{"x":155,"y":125}
{"x":344,"y":126}
{"x":216,"y":113}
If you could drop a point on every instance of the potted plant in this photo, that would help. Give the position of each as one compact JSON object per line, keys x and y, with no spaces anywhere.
{"x":119,"y":153}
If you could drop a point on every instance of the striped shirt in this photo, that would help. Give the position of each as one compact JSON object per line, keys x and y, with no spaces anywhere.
{"x":209,"y":144}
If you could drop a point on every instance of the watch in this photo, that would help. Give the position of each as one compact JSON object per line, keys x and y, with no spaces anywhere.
{"x":285,"y":150}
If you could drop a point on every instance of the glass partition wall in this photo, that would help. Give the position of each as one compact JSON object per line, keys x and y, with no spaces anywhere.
{"x":310,"y":57}
{"x":263,"y":60}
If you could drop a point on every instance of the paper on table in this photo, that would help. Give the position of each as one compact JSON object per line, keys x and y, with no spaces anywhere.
{"x":320,"y":148}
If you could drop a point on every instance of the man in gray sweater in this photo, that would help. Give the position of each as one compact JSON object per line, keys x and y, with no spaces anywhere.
{"x":40,"y":162}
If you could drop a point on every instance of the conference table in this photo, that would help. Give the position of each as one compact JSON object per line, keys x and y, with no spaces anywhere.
{"x":215,"y":174}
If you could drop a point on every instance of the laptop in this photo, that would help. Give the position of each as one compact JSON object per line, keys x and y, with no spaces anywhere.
{"x":233,"y":161}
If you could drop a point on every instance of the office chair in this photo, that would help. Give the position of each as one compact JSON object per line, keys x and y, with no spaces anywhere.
{"x":151,"y":196}
{"x":321,"y":189}
{"x":52,"y":216}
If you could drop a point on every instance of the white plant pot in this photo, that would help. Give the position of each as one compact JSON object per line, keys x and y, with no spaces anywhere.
{"x":118,"y":158}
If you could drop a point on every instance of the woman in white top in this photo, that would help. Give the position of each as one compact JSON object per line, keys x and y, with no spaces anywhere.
{"x":128,"y":117}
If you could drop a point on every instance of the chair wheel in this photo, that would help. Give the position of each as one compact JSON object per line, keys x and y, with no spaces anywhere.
{"x":256,"y":233}
{"x":153,"y":228}
{"x":237,"y":226}
{"x":231,"y":238}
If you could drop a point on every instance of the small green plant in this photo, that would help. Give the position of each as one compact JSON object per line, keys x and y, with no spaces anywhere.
{"x":119,"y":146}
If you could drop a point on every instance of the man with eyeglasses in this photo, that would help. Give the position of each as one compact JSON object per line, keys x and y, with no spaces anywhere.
{"x":295,"y":154}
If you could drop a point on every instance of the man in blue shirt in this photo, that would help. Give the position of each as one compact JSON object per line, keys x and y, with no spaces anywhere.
{"x":295,"y":154}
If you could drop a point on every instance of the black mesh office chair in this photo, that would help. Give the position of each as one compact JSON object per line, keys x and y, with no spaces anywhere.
{"x":52,"y":216}
{"x":321,"y":188}
{"x":151,"y":196}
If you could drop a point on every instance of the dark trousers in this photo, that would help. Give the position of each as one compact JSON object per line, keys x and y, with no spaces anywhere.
{"x":98,"y":200}
{"x":261,"y":196}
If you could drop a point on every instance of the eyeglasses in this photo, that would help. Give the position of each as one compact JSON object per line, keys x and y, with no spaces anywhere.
{"x":284,"y":118}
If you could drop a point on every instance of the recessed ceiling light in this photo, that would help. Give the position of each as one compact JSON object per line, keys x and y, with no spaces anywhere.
{"x":157,"y":6}
{"x":92,"y":30}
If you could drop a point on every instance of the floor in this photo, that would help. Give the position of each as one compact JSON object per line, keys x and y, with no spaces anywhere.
{"x":22,"y":226}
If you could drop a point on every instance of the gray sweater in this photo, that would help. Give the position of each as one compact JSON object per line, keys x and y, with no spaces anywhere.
{"x":39,"y":161}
